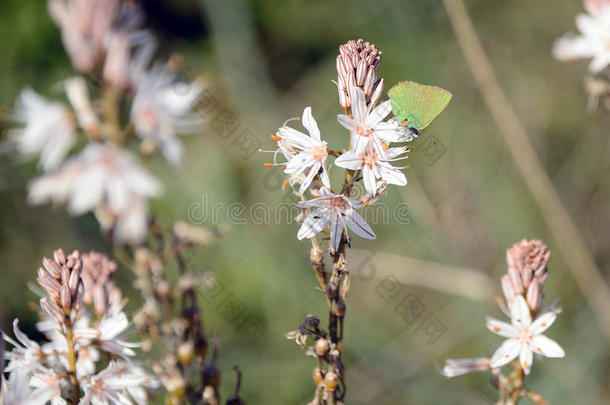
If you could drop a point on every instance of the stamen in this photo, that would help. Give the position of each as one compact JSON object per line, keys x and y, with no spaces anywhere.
{"x":268,"y":164}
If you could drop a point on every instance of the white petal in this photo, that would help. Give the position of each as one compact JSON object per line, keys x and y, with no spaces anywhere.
{"x":314,"y":223}
{"x":336,"y":230}
{"x":379,"y":113}
{"x":520,"y":313}
{"x":543,"y":322}
{"x":392,"y":175}
{"x":368,"y":176}
{"x":313,"y":171}
{"x":546,"y":347}
{"x":357,"y":224}
{"x":505,"y":353}
{"x":359,"y":110}
{"x":347,"y":122}
{"x":349,"y":160}
{"x":501,"y":328}
{"x":526,"y":358}
{"x":310,"y":124}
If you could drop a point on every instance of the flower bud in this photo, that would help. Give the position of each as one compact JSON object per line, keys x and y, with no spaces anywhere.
{"x":322,"y":347}
{"x":331,"y":381}
{"x":211,"y":375}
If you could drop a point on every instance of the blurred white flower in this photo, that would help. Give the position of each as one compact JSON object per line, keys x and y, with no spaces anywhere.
{"x":16,"y":390}
{"x":374,"y":165}
{"x":113,"y":330}
{"x":340,"y":212}
{"x":457,"y":367}
{"x":78,"y":95}
{"x":594,"y":39}
{"x":116,"y":384}
{"x":163,"y":108}
{"x":106,"y":178}
{"x":49,"y":129}
{"x":524,"y":337}
{"x":46,"y":384}
{"x":367,"y":126}
{"x":303,"y":152}
{"x":128,"y":55}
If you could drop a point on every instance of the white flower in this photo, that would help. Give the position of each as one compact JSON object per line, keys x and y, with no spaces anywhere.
{"x":524,"y":337}
{"x":105,"y":178}
{"x":115,"y":384}
{"x":374,"y":165}
{"x":46,"y":384}
{"x":594,"y":41}
{"x":368,"y":126}
{"x":49,"y":129}
{"x":457,"y":367}
{"x":16,"y":390}
{"x":113,"y":329}
{"x":340,"y":212}
{"x":25,"y":354}
{"x":304,"y":152}
{"x":162,"y":109}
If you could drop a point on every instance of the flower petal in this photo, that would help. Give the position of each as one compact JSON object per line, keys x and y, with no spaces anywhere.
{"x":510,"y":349}
{"x":546,"y":347}
{"x":501,"y":328}
{"x":357,"y":224}
{"x":520,"y":313}
{"x":310,"y":124}
{"x":359,"y":110}
{"x":314,"y":223}
{"x":349,"y":160}
{"x":543,"y":322}
{"x":526,"y":358}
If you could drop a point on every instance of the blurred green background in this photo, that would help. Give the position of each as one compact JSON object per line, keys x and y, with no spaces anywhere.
{"x":264,"y":62}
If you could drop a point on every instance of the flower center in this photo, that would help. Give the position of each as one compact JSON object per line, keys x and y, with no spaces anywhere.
{"x":525,"y":336}
{"x":364,"y":130}
{"x":337,"y":202}
{"x":369,"y":158}
{"x":320,"y":152}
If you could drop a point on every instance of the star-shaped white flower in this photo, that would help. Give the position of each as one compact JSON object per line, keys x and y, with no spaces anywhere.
{"x":303,"y":152}
{"x":339,"y":211}
{"x":524,"y":337}
{"x":374,"y":165}
{"x":594,"y":41}
{"x":367,"y":125}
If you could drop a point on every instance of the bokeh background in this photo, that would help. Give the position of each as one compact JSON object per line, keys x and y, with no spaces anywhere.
{"x":264,"y":61}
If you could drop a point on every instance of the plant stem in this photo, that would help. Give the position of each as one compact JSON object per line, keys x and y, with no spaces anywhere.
{"x":72,"y":360}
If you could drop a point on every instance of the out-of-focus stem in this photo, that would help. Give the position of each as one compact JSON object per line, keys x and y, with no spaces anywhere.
{"x":579,"y":261}
{"x":72,"y":361}
{"x":110,"y":109}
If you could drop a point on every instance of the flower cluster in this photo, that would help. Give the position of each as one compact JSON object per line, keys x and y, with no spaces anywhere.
{"x":105,"y":42}
{"x":85,"y":359}
{"x":592,"y":44}
{"x":368,"y":158}
{"x":522,"y":287}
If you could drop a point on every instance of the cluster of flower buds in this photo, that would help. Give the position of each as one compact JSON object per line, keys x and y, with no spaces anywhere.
{"x":61,"y":278}
{"x":100,"y":290}
{"x":527,"y":272}
{"x":83,"y":359}
{"x":357,"y":65}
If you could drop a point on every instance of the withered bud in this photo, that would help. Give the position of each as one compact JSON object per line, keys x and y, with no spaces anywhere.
{"x":312,"y":321}
{"x":211,"y":376}
{"x":185,"y":353}
{"x":322,"y":347}
{"x":201,"y":347}
{"x":235,"y":400}
{"x":317,"y":375}
{"x":340,"y":308}
{"x":175,"y":385}
{"x":163,"y":291}
{"x":331,"y":381}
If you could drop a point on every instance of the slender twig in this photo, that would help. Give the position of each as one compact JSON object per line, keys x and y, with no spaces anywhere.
{"x":566,"y":234}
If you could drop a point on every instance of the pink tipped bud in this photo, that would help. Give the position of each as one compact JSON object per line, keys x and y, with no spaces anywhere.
{"x":52,"y":267}
{"x":515,"y":278}
{"x":59,"y":256}
{"x":66,"y":299}
{"x":508,"y":289}
{"x":52,"y":310}
{"x":534,"y":297}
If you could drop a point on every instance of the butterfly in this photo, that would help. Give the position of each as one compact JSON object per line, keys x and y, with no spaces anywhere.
{"x":417,"y":105}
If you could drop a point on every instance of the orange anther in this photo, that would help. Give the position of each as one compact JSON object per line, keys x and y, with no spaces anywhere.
{"x":268,"y":164}
{"x":404,"y":123}
{"x":275,"y":138}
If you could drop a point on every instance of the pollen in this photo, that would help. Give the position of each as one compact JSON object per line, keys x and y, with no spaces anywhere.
{"x":405,"y":123}
{"x":543,"y":323}
{"x":385,"y":145}
{"x":496,"y":329}
{"x":539,"y":350}
{"x":275,"y":137}
{"x":363,"y":130}
{"x":268,"y":164}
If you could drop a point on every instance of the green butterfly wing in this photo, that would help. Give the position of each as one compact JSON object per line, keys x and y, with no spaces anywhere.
{"x":417,"y":103}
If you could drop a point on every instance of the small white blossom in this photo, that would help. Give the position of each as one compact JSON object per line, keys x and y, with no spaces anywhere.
{"x":524,"y":337}
{"x":367,"y":126}
{"x":163,"y":108}
{"x":117,"y":384}
{"x":594,"y":40}
{"x":49,"y":130}
{"x":457,"y":367}
{"x":375,"y":165}
{"x":303,"y":152}
{"x":25,"y":353}
{"x":101,"y":177}
{"x":340,"y":212}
